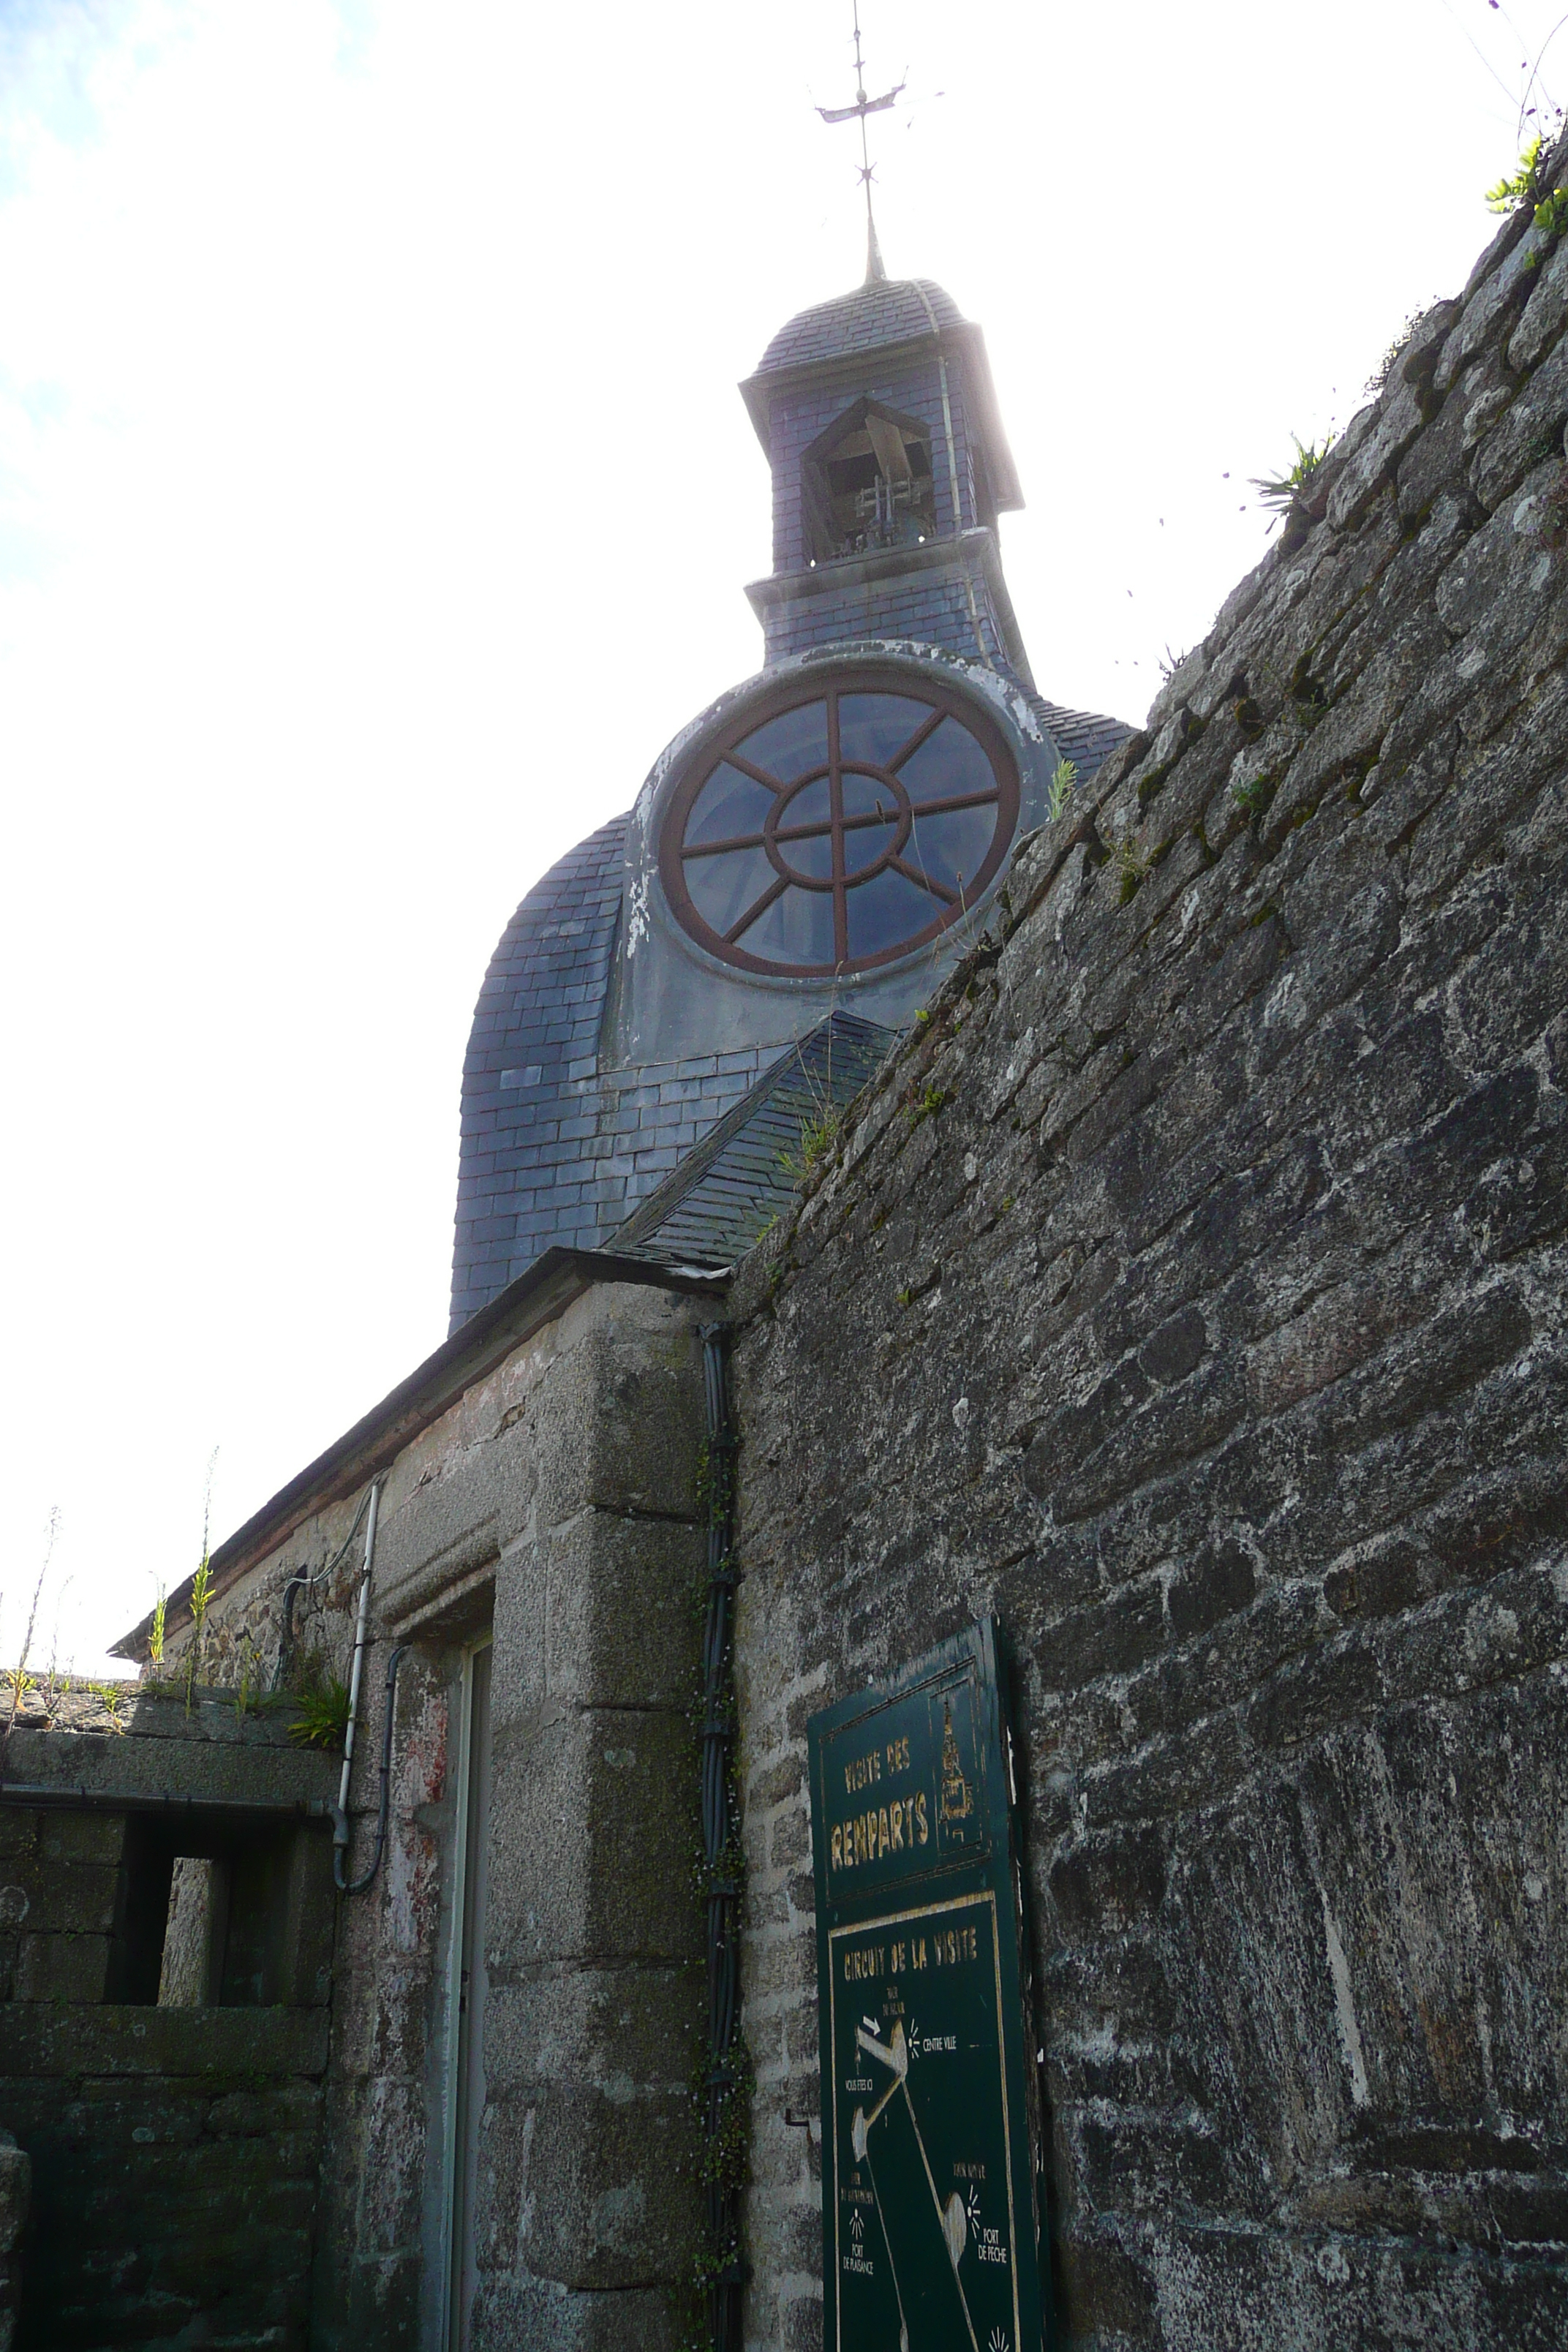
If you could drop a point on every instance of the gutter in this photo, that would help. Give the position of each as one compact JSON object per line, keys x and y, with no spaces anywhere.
{"x":38,"y":1794}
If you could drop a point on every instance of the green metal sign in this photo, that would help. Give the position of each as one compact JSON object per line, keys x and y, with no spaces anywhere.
{"x":931,"y":2239}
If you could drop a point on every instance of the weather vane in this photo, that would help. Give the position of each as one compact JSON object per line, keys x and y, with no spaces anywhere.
{"x":862,"y":107}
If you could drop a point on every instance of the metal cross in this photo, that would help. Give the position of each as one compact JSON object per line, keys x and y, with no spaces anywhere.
{"x":862,"y":107}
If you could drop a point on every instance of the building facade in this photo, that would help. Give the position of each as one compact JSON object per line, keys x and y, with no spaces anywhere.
{"x":1179,"y":1301}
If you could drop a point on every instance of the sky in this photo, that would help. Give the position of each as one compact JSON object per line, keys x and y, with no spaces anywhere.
{"x":376,"y":501}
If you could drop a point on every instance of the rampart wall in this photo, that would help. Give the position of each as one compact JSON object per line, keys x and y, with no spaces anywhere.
{"x":1188,"y":1290}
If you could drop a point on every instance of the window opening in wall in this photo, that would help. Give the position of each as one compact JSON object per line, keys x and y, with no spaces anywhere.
{"x":210,"y":1914}
{"x":867,"y":484}
{"x":465,"y":1993}
{"x":140,"y":1913}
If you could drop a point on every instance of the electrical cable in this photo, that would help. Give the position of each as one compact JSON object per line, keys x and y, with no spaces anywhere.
{"x":718,"y":1830}
{"x":306,"y":1581}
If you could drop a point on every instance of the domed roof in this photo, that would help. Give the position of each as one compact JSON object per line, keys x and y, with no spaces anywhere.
{"x":885,"y":310}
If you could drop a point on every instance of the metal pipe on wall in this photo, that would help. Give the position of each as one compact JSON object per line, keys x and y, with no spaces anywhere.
{"x":357,"y":1669}
{"x":719,"y":1832}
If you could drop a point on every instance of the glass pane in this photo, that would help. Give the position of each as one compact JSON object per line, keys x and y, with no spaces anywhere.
{"x":728,"y":804}
{"x":949,"y":761}
{"x":952,"y":848}
{"x":871,"y":818}
{"x":722,"y":887}
{"x":811,"y":806}
{"x":876,"y":726}
{"x":886,"y":911}
{"x":792,"y":744}
{"x":797,"y":929}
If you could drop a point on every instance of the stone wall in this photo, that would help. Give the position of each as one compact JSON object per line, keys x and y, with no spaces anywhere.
{"x":15,"y":2198}
{"x":172,"y":2153}
{"x":1189,"y":1291}
{"x":175,"y":2159}
{"x":552,"y":1503}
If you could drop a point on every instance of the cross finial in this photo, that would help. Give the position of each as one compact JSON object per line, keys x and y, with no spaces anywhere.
{"x":862,"y":107}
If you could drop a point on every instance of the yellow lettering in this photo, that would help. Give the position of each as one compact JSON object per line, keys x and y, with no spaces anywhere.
{"x":837,"y":1849}
{"x":923,"y":1834}
{"x":883,"y":1839}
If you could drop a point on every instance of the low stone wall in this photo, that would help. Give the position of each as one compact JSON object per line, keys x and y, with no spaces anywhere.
{"x":1189,"y":1291}
{"x":16,"y":2201}
{"x":175,"y":2159}
{"x":172,"y":2153}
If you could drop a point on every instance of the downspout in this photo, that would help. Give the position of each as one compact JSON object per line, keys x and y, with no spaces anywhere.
{"x":340,"y":1834}
{"x":341,"y":1878}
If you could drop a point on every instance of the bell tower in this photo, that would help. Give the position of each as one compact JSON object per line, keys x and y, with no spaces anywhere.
{"x":889,"y":467}
{"x":812,"y":853}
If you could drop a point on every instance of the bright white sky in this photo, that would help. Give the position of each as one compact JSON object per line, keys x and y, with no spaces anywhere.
{"x":375,"y":501}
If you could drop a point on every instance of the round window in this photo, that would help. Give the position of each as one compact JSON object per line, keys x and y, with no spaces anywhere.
{"x":835,"y":827}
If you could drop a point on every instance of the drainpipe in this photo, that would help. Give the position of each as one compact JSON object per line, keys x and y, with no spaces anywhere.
{"x":340,"y":1816}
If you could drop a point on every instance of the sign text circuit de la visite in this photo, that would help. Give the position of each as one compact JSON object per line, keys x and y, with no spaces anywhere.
{"x":930,"y":2136}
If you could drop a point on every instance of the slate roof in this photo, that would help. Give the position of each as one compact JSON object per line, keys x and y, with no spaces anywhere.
{"x":557,"y":1152}
{"x":726,"y":1193}
{"x":1084,"y":736}
{"x":536,"y":1028}
{"x":887,"y":312}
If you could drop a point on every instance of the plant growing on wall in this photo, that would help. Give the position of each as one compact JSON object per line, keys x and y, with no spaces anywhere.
{"x":201,"y":1596}
{"x":1524,"y":186}
{"x":1525,"y":190}
{"x":248,"y":1676}
{"x":323,"y":1717}
{"x":113,"y":1699}
{"x":22,"y":1683}
{"x":818,"y":1137}
{"x":1282,"y":492}
{"x":1064,"y":784}
{"x":201,"y":1588}
{"x":1133,"y":866}
{"x":160,"y":1619}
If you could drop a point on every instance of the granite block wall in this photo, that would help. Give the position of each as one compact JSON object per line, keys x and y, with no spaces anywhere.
{"x":172,"y":2152}
{"x":174,"y":2157}
{"x":1189,"y":1291}
{"x":554,"y":1505}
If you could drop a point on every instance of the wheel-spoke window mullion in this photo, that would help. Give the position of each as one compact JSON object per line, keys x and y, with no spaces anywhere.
{"x":835,"y":818}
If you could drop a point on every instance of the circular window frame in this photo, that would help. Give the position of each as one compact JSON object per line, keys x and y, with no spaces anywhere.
{"x":796,"y":692}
